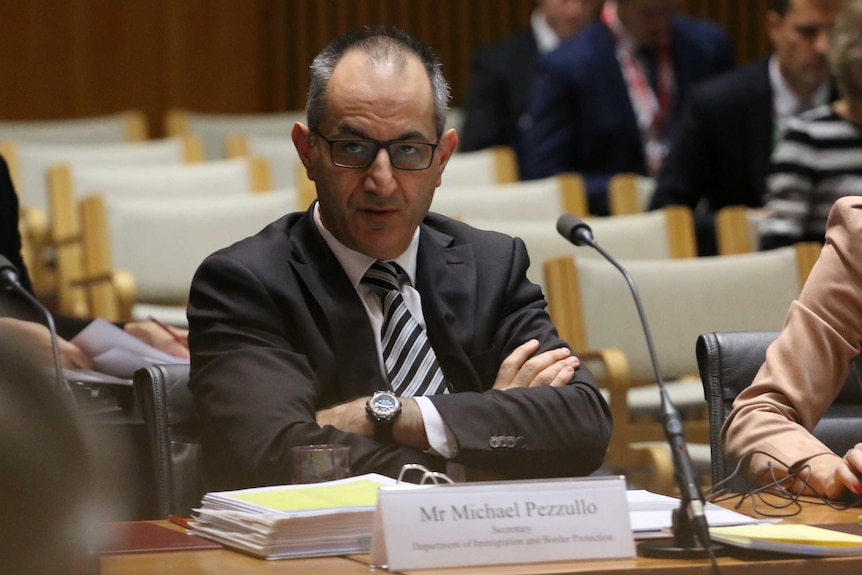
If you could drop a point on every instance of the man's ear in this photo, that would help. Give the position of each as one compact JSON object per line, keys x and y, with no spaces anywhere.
{"x":302,"y":140}
{"x":448,"y":143}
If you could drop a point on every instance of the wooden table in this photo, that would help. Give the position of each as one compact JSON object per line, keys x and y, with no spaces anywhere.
{"x":207,"y":562}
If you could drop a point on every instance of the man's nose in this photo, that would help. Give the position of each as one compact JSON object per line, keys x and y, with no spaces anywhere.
{"x":380,"y":177}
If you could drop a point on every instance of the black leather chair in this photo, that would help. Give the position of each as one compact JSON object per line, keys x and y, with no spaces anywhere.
{"x":728,"y":362}
{"x":168,"y":410}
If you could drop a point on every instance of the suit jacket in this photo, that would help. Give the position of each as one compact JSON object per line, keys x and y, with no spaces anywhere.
{"x":277,"y":332}
{"x":806,"y":366}
{"x":721,"y":148}
{"x":499,"y":91}
{"x":10,"y":238}
{"x":582,"y":116}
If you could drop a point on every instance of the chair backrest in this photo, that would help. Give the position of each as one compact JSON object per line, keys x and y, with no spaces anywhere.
{"x":728,"y":363}
{"x":130,"y":125}
{"x":544,"y":199}
{"x":168,"y":410}
{"x":495,"y":165}
{"x":29,"y":161}
{"x":285,"y":166}
{"x":214,"y":129}
{"x":161,"y":241}
{"x":736,"y":229}
{"x":665,"y":233}
{"x":592,"y":307}
{"x":629,"y":193}
{"x":66,"y":183}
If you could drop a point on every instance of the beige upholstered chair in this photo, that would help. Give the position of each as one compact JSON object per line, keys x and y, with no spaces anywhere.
{"x":203,"y":181}
{"x":736,"y":229}
{"x":629,"y":193}
{"x":666,"y":233}
{"x":496,"y":165}
{"x":537,"y":199}
{"x":159,"y":242}
{"x":214,"y":129}
{"x":591,"y":306}
{"x":130,"y":125}
{"x":284,"y":164}
{"x":29,"y":163}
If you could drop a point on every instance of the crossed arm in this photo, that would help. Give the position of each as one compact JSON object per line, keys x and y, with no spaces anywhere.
{"x":553,"y":368}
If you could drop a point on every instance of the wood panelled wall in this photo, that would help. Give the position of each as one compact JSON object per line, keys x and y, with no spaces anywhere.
{"x":75,"y":58}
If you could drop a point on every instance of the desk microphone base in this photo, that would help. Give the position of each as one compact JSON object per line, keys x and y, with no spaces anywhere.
{"x":669,"y":549}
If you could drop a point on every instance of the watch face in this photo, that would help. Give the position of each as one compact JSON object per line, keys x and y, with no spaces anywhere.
{"x":385,"y":404}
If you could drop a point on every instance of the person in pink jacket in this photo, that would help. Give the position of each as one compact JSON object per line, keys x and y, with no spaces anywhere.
{"x":805,"y":369}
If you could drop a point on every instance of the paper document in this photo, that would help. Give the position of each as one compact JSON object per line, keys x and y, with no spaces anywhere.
{"x":789,"y":538}
{"x":651,"y":514}
{"x":117,"y":353}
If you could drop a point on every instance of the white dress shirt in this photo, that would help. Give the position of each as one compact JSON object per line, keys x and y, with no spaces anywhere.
{"x":355,"y":264}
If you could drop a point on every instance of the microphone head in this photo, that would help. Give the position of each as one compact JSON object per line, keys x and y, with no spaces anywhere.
{"x":8,"y":272}
{"x":575,"y":230}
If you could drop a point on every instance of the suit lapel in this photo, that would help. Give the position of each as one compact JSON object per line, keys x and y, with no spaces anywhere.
{"x":351,"y":334}
{"x":761,"y":125}
{"x":446,"y":280}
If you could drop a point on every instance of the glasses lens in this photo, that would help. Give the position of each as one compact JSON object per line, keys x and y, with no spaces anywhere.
{"x":353,"y":153}
{"x":410,"y":155}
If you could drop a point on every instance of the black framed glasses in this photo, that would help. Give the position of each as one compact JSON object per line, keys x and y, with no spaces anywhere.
{"x":360,"y":153}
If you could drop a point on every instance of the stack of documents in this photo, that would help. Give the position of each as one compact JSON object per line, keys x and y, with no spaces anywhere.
{"x":330,"y":518}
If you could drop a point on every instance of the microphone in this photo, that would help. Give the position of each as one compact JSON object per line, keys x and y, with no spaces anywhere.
{"x":10,"y":279}
{"x":689,"y":521}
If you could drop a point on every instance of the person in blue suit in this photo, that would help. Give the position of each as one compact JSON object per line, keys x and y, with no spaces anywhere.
{"x":606,"y":101}
{"x":500,"y":73}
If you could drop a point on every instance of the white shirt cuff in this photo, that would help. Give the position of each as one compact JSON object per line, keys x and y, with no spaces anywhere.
{"x":440,"y":437}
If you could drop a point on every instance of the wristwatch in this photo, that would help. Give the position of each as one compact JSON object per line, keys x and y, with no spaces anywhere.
{"x":383,"y":407}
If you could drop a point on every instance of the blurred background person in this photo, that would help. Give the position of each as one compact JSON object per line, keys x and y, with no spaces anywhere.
{"x":47,"y":491}
{"x":501,"y":72}
{"x":729,"y":125}
{"x":606,"y":101}
{"x":819,"y":158}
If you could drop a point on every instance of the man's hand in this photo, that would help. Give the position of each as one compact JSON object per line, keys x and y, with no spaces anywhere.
{"x":349,"y":417}
{"x":554,"y":367}
{"x":36,"y":338}
{"x":168,"y":339}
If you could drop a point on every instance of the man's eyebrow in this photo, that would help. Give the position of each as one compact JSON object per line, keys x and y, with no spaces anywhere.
{"x":409,"y":136}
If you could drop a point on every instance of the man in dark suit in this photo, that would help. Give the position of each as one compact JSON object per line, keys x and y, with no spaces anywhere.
{"x":721,"y":149}
{"x":606,"y":101}
{"x":288,"y":340}
{"x":501,"y":72}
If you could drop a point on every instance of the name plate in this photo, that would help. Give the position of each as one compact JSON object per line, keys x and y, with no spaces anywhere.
{"x":468,"y":524}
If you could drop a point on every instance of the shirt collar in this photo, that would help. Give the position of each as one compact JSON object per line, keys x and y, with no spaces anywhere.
{"x":546,"y":39}
{"x":355,"y":264}
{"x":785,"y":102}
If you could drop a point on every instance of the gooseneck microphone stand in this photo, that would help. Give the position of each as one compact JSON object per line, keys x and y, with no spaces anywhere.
{"x":689,"y":526}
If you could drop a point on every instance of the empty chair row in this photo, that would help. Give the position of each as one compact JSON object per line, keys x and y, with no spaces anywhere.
{"x":139,"y":253}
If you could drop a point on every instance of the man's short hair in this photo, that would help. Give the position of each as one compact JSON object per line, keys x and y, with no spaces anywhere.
{"x":780,"y":7}
{"x":380,"y":43}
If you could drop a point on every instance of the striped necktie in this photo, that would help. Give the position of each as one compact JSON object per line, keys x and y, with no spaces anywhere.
{"x":410,"y":361}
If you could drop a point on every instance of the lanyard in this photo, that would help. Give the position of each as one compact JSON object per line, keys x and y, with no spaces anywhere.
{"x":652,"y":109}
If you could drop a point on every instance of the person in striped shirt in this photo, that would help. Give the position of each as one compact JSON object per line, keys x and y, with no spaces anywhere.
{"x":819,"y":158}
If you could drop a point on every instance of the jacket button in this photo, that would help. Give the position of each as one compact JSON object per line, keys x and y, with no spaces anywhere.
{"x":521,"y":441}
{"x":494,"y":442}
{"x":510,"y":441}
